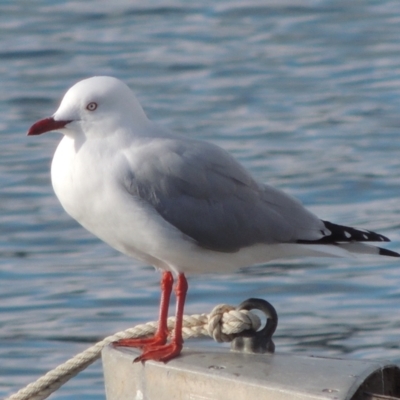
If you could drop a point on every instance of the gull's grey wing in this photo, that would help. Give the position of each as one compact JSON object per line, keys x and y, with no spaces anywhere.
{"x":204,"y":192}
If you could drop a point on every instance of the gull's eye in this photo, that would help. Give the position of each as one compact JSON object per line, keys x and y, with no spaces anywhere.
{"x":91,"y":106}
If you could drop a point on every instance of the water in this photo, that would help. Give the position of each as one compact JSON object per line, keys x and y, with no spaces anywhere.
{"x":304,"y":93}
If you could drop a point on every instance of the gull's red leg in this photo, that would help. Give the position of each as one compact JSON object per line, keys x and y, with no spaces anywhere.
{"x":168,"y":351}
{"x":160,"y":337}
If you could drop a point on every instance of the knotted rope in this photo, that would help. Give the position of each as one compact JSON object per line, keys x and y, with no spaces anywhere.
{"x":223,"y":324}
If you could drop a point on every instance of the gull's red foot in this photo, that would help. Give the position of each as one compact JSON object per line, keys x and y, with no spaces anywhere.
{"x":160,"y":336}
{"x":155,"y":348}
{"x":157,"y":340}
{"x":162,"y":353}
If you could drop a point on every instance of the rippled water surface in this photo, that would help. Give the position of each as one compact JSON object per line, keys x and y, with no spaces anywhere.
{"x":306,"y":94}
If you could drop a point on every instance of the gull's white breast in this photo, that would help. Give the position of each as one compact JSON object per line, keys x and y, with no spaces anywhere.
{"x":88,"y":183}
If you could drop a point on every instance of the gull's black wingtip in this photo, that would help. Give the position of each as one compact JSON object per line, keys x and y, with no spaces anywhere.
{"x":341,"y":233}
{"x":386,"y":252}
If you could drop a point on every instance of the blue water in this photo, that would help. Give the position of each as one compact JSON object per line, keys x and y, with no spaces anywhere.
{"x":306,"y":94}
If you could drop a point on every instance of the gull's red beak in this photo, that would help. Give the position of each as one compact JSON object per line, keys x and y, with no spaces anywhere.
{"x":46,"y":125}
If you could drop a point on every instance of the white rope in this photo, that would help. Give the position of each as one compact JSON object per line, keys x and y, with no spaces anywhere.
{"x":222,"y":324}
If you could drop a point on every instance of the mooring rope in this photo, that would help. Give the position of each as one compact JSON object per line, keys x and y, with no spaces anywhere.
{"x":223,"y":324}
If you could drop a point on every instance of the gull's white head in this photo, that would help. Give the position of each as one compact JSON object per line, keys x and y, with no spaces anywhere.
{"x":99,"y":105}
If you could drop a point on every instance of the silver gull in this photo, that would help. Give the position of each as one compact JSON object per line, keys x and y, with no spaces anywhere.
{"x":180,"y":204}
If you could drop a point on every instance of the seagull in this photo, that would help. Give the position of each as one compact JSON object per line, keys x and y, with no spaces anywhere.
{"x":180,"y":204}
